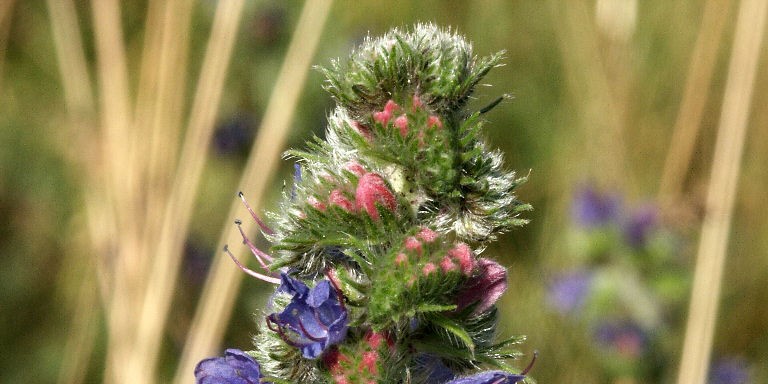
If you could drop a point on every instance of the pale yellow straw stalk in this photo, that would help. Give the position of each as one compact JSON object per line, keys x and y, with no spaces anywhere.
{"x":697,"y":87}
{"x":721,"y":194}
{"x":114,"y":109}
{"x":78,"y":99}
{"x":218,"y":295}
{"x":177,"y":212}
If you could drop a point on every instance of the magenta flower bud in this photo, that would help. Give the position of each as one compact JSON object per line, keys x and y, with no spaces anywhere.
{"x":401,"y":122}
{"x":372,"y":189}
{"x":434,"y":121}
{"x":427,"y":235}
{"x":413,"y":244}
{"x":338,"y":199}
{"x":485,"y":287}
{"x":384,"y":116}
{"x":363,"y":130}
{"x":355,"y":168}
{"x":428,"y":268}
{"x":447,"y":265}
{"x":463,"y":255}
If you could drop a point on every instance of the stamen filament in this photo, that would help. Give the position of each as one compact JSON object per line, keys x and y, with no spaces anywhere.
{"x":258,"y":253}
{"x":261,"y":224}
{"x":251,"y":272}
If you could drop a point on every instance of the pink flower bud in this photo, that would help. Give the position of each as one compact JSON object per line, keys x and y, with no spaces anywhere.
{"x":362,"y":130}
{"x":401,"y":259}
{"x":427,"y":235}
{"x":319,"y":205}
{"x":401,"y":122}
{"x":463,"y":255}
{"x":485,"y":287}
{"x":390,"y":107}
{"x":384,"y":116}
{"x":428,"y":268}
{"x":368,"y":363}
{"x":417,"y":103}
{"x":447,"y":265}
{"x":338,"y":199}
{"x":434,"y":121}
{"x":371,"y":189}
{"x":413,"y":244}
{"x":355,"y":168}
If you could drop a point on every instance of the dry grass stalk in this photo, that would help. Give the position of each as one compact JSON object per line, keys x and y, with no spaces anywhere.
{"x":78,"y":99}
{"x":218,"y":296}
{"x":721,"y":194}
{"x":177,"y":209}
{"x":697,"y":87}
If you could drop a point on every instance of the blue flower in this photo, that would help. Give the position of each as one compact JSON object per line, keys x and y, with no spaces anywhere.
{"x":594,"y":209}
{"x":639,"y":225}
{"x":568,"y":292}
{"x":433,"y":368}
{"x":314,"y":320}
{"x":236,"y":367}
{"x":624,"y":337}
{"x":489,"y":377}
{"x":729,"y":371}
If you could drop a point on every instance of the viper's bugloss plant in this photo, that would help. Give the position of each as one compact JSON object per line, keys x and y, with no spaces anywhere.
{"x":376,"y":246}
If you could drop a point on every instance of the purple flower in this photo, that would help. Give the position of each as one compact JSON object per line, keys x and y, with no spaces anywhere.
{"x":489,"y":377}
{"x":729,"y":371}
{"x":315,"y":318}
{"x":485,"y":287}
{"x":568,"y":292}
{"x":433,"y":368}
{"x":624,"y":337}
{"x":593,"y":209}
{"x":236,"y":367}
{"x":639,"y":225}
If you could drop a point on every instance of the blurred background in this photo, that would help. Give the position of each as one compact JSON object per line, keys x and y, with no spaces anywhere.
{"x":127,"y":128}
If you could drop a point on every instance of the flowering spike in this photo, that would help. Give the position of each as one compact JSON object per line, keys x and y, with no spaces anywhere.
{"x":380,"y":235}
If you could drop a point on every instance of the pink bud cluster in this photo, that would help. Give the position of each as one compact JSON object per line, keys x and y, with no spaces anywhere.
{"x":362,"y":365}
{"x":393,"y":113}
{"x":459,"y":258}
{"x":371,"y":191}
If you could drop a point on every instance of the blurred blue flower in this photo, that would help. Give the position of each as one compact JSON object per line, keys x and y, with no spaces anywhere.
{"x":234,"y":135}
{"x":315,"y":318}
{"x":729,"y":371}
{"x":624,"y":337}
{"x":489,"y":377}
{"x":568,"y":292}
{"x":594,"y":209}
{"x":639,"y":225}
{"x":236,"y":367}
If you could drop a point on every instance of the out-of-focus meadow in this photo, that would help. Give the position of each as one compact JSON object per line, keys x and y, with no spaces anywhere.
{"x":126,"y":130}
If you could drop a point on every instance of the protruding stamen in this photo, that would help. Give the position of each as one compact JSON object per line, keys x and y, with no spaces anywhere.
{"x":258,"y":253}
{"x":530,"y":365}
{"x":262,"y":225}
{"x":255,"y":274}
